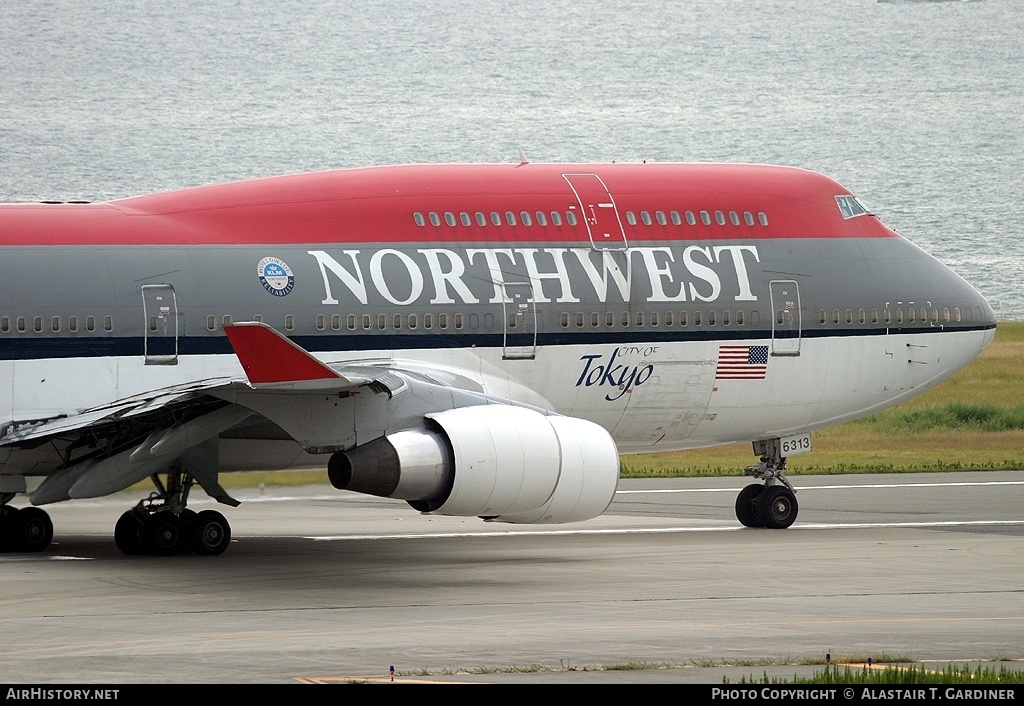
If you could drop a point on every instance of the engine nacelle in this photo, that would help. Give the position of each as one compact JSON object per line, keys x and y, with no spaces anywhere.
{"x":499,"y":462}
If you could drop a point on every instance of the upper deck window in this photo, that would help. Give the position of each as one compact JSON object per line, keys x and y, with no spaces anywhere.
{"x":850,"y":207}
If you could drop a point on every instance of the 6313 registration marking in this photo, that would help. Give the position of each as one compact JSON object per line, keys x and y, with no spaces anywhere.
{"x":797,"y":444}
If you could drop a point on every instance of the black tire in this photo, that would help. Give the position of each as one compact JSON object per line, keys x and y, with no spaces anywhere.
{"x":34,"y":530}
{"x":9,"y":518}
{"x":777,"y":507}
{"x":129,"y":533}
{"x":746,"y":505}
{"x":211,"y":533}
{"x":164,"y":535}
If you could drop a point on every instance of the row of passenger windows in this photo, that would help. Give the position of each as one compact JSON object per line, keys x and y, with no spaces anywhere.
{"x":899,"y":315}
{"x":56,"y":324}
{"x":379,"y":322}
{"x":542,"y":218}
{"x":459,"y":321}
{"x":720,"y":218}
{"x":655,"y":319}
{"x":556,"y":218}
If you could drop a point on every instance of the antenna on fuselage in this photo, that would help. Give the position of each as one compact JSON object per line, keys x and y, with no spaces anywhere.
{"x":522,"y":157}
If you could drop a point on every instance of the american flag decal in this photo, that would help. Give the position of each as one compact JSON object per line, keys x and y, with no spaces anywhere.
{"x":742,"y":363}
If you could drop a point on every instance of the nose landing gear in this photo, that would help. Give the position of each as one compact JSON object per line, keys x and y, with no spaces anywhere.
{"x":772,"y":504}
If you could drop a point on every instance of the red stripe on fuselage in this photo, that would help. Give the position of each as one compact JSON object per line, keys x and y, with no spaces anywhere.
{"x":376,"y":204}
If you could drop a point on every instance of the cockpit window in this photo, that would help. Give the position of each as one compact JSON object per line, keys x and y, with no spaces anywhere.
{"x":850,"y":207}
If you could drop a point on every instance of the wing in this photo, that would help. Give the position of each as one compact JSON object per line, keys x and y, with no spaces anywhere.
{"x":447,"y":438}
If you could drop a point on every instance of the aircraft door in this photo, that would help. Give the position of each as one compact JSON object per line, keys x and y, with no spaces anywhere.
{"x":160,"y":333}
{"x":786,"y":321}
{"x":598,"y":211}
{"x":520,"y":314}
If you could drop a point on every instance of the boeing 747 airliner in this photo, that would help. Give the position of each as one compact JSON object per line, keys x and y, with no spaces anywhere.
{"x":476,"y":340}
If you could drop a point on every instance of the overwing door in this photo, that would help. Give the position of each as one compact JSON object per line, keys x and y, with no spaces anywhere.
{"x":520,"y":321}
{"x":160,"y":335}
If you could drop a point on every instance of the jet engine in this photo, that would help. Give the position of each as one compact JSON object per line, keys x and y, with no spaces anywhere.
{"x":498,"y":462}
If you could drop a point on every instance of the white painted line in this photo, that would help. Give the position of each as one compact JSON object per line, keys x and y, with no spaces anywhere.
{"x":656,"y":530}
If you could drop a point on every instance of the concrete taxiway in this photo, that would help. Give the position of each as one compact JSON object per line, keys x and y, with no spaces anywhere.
{"x":321,"y":586}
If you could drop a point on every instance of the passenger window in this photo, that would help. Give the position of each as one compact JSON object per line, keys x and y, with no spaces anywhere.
{"x":449,"y":218}
{"x":495,"y":218}
{"x":570,"y":218}
{"x":211,"y":323}
{"x":435,"y":219}
{"x":510,"y":218}
{"x":108,"y":323}
{"x":289,"y":322}
{"x":556,"y":218}
{"x":321,"y":322}
{"x":524,"y":218}
{"x":705,"y":218}
{"x":465,"y":218}
{"x":676,"y":219}
{"x":420,"y":220}
{"x":748,"y":218}
{"x":630,"y":218}
{"x":481,"y":219}
{"x":762,"y":218}
{"x":720,"y":218}
{"x":734,"y":218}
{"x":645,"y":217}
{"x":690,"y":218}
{"x":542,"y":219}
{"x":37,"y":324}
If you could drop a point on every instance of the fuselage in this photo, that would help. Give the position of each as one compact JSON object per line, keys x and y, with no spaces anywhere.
{"x":675,"y":305}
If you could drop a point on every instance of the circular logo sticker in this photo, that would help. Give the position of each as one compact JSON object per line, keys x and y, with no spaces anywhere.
{"x":275,"y":276}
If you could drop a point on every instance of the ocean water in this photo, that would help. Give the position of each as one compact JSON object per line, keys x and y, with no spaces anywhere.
{"x":916,"y":106}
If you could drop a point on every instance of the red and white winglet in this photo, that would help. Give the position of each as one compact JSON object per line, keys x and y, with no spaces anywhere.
{"x":270,"y":359}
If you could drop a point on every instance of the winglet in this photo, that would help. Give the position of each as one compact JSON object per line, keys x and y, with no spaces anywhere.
{"x":269,"y":358}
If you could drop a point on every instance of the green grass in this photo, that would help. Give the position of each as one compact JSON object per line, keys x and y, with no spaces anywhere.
{"x":892,"y":674}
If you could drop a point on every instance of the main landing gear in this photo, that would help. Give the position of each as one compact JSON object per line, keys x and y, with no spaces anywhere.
{"x":162,"y":525}
{"x":772,"y":504}
{"x":27,"y":529}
